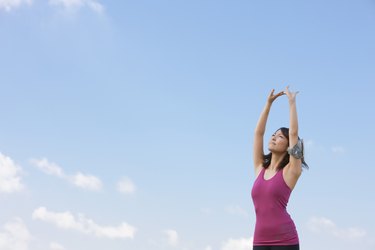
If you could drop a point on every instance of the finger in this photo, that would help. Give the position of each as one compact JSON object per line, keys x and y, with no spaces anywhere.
{"x":271,"y":94}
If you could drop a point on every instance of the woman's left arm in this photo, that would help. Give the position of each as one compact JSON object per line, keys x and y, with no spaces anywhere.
{"x":295,"y":163}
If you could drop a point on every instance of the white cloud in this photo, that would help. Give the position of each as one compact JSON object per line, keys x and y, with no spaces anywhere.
{"x":88,"y":182}
{"x":15,"y":236}
{"x":56,"y":246}
{"x":171,"y":237}
{"x":95,"y":6}
{"x":10,"y":179}
{"x":69,"y":5}
{"x":48,"y":167}
{"x":80,"y":223}
{"x":324,"y":225}
{"x":8,"y":5}
{"x":73,"y":5}
{"x":237,"y":210}
{"x":208,"y":248}
{"x":126,"y":186}
{"x":238,"y":244}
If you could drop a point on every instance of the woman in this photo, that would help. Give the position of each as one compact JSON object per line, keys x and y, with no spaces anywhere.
{"x":276,"y":175}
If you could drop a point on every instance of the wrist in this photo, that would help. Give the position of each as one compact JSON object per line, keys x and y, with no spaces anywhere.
{"x":292,"y":101}
{"x":269,"y":102}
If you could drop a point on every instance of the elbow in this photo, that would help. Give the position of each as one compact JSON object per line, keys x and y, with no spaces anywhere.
{"x":293,"y":132}
{"x":259,"y":132}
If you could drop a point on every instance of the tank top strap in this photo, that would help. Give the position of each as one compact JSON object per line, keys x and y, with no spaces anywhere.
{"x":261,"y":173}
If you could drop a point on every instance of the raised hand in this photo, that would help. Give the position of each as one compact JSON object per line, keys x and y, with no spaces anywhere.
{"x":291,"y":95}
{"x":272,"y":96}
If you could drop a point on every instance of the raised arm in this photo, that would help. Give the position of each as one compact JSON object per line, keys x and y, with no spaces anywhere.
{"x":295,"y":164}
{"x":260,"y":129}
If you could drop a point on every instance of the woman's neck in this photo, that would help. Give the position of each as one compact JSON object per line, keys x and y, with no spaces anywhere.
{"x":275,"y":161}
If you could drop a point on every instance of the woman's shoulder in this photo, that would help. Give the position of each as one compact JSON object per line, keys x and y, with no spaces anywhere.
{"x":258,"y":170}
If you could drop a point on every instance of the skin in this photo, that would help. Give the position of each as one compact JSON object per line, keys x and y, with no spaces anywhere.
{"x":278,"y":143}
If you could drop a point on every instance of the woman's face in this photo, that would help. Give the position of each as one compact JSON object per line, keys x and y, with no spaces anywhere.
{"x":278,"y":143}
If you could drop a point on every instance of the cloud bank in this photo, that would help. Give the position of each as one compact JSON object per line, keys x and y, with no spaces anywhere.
{"x":88,"y":182}
{"x":68,"y":5}
{"x":73,"y":5}
{"x":79,"y":223}
{"x":9,"y":5}
{"x":324,"y":225}
{"x":238,"y":244}
{"x":10,"y":178}
{"x":15,"y":236}
{"x":172,"y":238}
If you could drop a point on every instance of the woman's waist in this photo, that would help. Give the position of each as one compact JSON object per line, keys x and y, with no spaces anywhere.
{"x":275,"y":232}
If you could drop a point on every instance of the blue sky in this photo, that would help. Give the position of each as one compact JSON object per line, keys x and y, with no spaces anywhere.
{"x":129,"y":124}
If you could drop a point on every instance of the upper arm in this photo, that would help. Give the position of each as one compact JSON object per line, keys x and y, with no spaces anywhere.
{"x":291,"y":174}
{"x":258,"y":152}
{"x":294,"y":169}
{"x":294,"y":163}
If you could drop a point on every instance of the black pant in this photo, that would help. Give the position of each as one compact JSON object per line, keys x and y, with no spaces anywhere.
{"x":289,"y":247}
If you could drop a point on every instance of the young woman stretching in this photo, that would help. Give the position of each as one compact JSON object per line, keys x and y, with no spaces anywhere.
{"x":276,"y":175}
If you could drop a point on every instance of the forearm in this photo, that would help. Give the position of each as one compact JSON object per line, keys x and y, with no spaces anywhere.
{"x":258,"y":136}
{"x":293,"y":123}
{"x":261,"y":125}
{"x":295,"y":147}
{"x":260,"y":129}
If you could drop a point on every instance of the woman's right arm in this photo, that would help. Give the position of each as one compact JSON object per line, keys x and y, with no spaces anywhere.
{"x":260,"y":129}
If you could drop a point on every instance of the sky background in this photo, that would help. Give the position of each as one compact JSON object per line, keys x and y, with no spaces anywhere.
{"x":129,"y":124}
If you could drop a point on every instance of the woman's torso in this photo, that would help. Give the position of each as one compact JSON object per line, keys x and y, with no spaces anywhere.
{"x":274,"y":225}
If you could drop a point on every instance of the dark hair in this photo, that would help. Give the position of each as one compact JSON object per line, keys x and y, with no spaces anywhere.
{"x":267,"y":158}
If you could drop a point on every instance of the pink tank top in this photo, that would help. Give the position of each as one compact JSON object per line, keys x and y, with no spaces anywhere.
{"x":273,"y":226}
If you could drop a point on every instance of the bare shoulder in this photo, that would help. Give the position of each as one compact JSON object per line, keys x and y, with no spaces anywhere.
{"x":258,"y":169}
